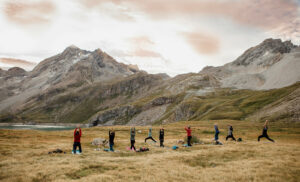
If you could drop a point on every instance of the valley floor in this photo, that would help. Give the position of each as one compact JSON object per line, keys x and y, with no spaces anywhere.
{"x":24,"y":155}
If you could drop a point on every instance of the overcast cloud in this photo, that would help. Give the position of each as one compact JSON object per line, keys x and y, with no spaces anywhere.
{"x":158,"y":35}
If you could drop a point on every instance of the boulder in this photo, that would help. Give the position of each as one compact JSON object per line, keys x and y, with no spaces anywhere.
{"x":99,"y":141}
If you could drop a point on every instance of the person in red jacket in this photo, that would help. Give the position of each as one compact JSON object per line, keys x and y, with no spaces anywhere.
{"x":189,"y":135}
{"x":77,"y":135}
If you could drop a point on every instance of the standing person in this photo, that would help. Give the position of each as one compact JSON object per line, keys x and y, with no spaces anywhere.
{"x":230,"y":133}
{"x":189,"y":135}
{"x":216,"y":132}
{"x":132,"y":138}
{"x":161,"y":137}
{"x":264,"y":133}
{"x":150,"y":136}
{"x":77,"y":135}
{"x":111,"y":134}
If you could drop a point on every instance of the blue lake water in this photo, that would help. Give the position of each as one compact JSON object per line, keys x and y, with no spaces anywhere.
{"x":38,"y":127}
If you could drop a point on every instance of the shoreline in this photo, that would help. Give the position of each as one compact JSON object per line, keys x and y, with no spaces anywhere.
{"x":44,"y":124}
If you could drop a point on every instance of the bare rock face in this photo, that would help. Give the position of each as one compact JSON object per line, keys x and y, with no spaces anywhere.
{"x":270,"y":48}
{"x":271,"y":64}
{"x":16,"y":71}
{"x":71,"y":68}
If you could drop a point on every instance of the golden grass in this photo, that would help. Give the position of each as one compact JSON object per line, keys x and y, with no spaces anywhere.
{"x":24,"y":155}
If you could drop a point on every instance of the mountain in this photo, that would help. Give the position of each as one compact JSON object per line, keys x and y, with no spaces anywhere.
{"x":271,"y":64}
{"x":79,"y":86}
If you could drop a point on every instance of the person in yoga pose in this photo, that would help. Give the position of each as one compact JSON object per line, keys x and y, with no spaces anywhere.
{"x":216,"y":132}
{"x":77,"y":136}
{"x":161,"y":137}
{"x":111,"y":134}
{"x":150,"y":136}
{"x":132,"y":138}
{"x":189,"y":135}
{"x":265,"y":132}
{"x":230,"y":133}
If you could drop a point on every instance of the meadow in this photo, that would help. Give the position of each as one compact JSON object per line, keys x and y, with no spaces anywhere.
{"x":24,"y":154}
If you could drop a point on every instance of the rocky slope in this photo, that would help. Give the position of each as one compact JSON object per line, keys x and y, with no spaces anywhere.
{"x":91,"y":87}
{"x":271,"y":64}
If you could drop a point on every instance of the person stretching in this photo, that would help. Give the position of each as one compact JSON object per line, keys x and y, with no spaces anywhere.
{"x":189,"y":135}
{"x":161,"y":137}
{"x":77,"y":135}
{"x":217,"y":133}
{"x":264,"y":132}
{"x":230,"y":133}
{"x":132,"y":138}
{"x":111,"y":134}
{"x":150,"y":135}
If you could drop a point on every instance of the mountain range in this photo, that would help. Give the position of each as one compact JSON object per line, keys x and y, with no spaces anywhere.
{"x":79,"y":86}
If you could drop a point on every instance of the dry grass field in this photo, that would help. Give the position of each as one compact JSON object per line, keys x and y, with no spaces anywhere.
{"x":24,"y":155}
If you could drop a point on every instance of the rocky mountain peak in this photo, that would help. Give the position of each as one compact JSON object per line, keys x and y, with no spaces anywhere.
{"x":276,"y":46}
{"x":269,"y":50}
{"x":72,"y":51}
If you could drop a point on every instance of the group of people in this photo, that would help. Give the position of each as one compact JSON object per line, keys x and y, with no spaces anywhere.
{"x":111,"y":133}
{"x":161,"y":137}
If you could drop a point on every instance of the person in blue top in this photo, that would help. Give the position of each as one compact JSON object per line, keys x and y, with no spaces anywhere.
{"x":217,"y":132}
{"x":150,"y":135}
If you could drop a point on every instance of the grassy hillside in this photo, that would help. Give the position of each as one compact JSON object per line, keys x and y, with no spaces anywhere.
{"x":24,"y":155}
{"x":235,"y":104}
{"x":78,"y":106}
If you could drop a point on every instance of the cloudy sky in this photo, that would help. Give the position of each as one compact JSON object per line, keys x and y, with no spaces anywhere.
{"x":171,"y":36}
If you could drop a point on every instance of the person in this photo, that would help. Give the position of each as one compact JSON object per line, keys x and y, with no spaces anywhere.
{"x":230,"y":133}
{"x":132,"y":138}
{"x":150,"y":136}
{"x":264,"y":133}
{"x":77,"y":136}
{"x":161,"y":137}
{"x":111,"y":134}
{"x":216,"y":132}
{"x":189,"y":135}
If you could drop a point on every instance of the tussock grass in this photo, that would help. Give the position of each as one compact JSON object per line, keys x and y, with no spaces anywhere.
{"x":24,"y":155}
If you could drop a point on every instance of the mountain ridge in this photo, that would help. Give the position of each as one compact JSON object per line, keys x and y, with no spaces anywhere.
{"x":92,"y":87}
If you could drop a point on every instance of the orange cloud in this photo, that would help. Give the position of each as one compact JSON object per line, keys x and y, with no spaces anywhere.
{"x":279,"y":15}
{"x":27,"y":13}
{"x":202,"y":43}
{"x":17,"y":62}
{"x":141,"y":40}
{"x":140,"y":52}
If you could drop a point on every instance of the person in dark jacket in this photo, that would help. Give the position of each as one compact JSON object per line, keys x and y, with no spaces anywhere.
{"x":161,"y":137}
{"x":77,"y":136}
{"x":189,"y":135}
{"x":265,"y":132}
{"x":216,"y":132}
{"x":111,"y":134}
{"x":230,"y":133}
{"x":132,"y":138}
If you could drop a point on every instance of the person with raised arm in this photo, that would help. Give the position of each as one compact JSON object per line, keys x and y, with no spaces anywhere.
{"x":230,"y":133}
{"x":189,"y":135}
{"x":265,"y":132}
{"x":161,"y":136}
{"x":77,"y":136}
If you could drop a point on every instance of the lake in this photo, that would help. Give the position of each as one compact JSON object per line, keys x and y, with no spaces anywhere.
{"x":38,"y":127}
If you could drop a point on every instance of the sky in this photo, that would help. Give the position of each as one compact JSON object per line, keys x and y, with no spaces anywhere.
{"x":160,"y":36}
